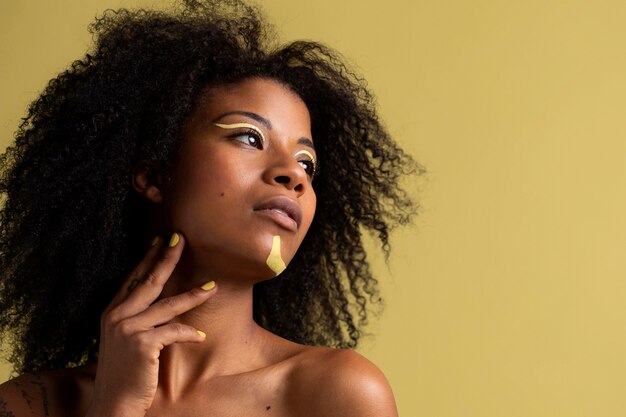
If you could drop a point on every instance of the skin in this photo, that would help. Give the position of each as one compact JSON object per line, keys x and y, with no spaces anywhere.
{"x":153,"y":361}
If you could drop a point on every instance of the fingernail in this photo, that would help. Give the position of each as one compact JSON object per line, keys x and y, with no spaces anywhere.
{"x":201,"y":333}
{"x":154,"y":241}
{"x":174,"y":240}
{"x":208,"y":286}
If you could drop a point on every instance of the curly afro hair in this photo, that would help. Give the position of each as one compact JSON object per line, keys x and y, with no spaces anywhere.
{"x":69,"y":226}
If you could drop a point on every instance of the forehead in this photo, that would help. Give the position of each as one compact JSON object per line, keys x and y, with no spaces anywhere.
{"x":268,"y":98}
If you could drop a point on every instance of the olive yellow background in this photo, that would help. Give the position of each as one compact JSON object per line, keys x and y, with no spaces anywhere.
{"x":508,"y":295}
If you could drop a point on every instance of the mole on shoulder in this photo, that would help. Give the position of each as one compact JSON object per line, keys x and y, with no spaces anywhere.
{"x":222,"y":194}
{"x":268,"y":407}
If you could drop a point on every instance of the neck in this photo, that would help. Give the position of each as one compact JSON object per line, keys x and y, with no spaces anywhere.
{"x":233,"y":340}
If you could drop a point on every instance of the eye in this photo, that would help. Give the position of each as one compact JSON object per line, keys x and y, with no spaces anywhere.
{"x":250,"y":137}
{"x":309,"y":167}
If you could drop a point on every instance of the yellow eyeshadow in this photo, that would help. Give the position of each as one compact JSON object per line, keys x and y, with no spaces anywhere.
{"x":310,"y":155}
{"x":240,"y":125}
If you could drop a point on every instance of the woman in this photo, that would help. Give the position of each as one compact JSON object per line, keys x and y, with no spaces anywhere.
{"x":154,"y":190}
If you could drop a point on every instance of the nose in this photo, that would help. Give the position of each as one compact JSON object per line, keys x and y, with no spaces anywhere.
{"x":284,"y":170}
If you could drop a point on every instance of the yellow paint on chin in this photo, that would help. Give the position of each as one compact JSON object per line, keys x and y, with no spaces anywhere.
{"x":274,"y":260}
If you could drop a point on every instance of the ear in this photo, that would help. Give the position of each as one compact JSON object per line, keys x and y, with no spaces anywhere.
{"x":146,"y":186}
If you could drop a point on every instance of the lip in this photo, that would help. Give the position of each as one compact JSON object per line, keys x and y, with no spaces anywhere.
{"x":283,"y":211}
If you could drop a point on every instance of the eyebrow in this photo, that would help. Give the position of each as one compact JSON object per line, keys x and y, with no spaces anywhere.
{"x":306,"y":142}
{"x":302,"y":141}
{"x":248,"y":114}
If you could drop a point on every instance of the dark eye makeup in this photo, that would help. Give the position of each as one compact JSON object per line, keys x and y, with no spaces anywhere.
{"x":250,"y":137}
{"x":309,"y":167}
{"x":254,"y":137}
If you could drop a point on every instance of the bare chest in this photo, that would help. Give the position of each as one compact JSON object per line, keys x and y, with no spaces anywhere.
{"x":232,"y":396}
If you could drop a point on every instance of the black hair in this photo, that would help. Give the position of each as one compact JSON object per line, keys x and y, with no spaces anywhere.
{"x":69,"y":229}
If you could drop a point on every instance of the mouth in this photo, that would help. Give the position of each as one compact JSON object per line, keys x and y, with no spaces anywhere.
{"x":283,"y":211}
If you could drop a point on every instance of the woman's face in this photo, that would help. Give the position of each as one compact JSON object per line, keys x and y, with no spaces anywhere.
{"x":243,"y":176}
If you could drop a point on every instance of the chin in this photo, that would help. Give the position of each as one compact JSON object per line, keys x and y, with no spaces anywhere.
{"x":239,"y":258}
{"x":234,"y":266}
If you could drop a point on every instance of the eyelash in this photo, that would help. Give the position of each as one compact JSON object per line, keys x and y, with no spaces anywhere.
{"x":309,"y":166}
{"x":247,"y":134}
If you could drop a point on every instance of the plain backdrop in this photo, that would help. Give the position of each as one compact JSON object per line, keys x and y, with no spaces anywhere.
{"x":507,"y":295}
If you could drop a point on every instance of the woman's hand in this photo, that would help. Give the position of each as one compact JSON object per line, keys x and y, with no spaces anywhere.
{"x":134,"y":331}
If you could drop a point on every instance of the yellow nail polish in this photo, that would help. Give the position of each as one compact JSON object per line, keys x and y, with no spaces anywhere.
{"x":174,"y":240}
{"x":208,"y":286}
{"x":201,"y":333}
{"x":154,"y":241}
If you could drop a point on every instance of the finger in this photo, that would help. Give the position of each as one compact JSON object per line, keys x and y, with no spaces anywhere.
{"x":166,"y":309}
{"x":138,"y":272}
{"x":151,"y":284}
{"x":154,"y":340}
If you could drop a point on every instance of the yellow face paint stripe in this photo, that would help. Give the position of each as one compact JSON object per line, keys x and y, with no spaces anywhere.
{"x":274,"y":260}
{"x":240,"y":125}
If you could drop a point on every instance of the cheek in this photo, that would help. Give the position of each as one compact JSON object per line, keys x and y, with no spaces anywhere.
{"x":208,"y":173}
{"x":212,"y":194}
{"x":310,"y":207}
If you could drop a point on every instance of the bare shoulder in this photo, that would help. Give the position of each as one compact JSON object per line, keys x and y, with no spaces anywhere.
{"x":341,"y":382}
{"x":26,"y":395}
{"x":45,"y":394}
